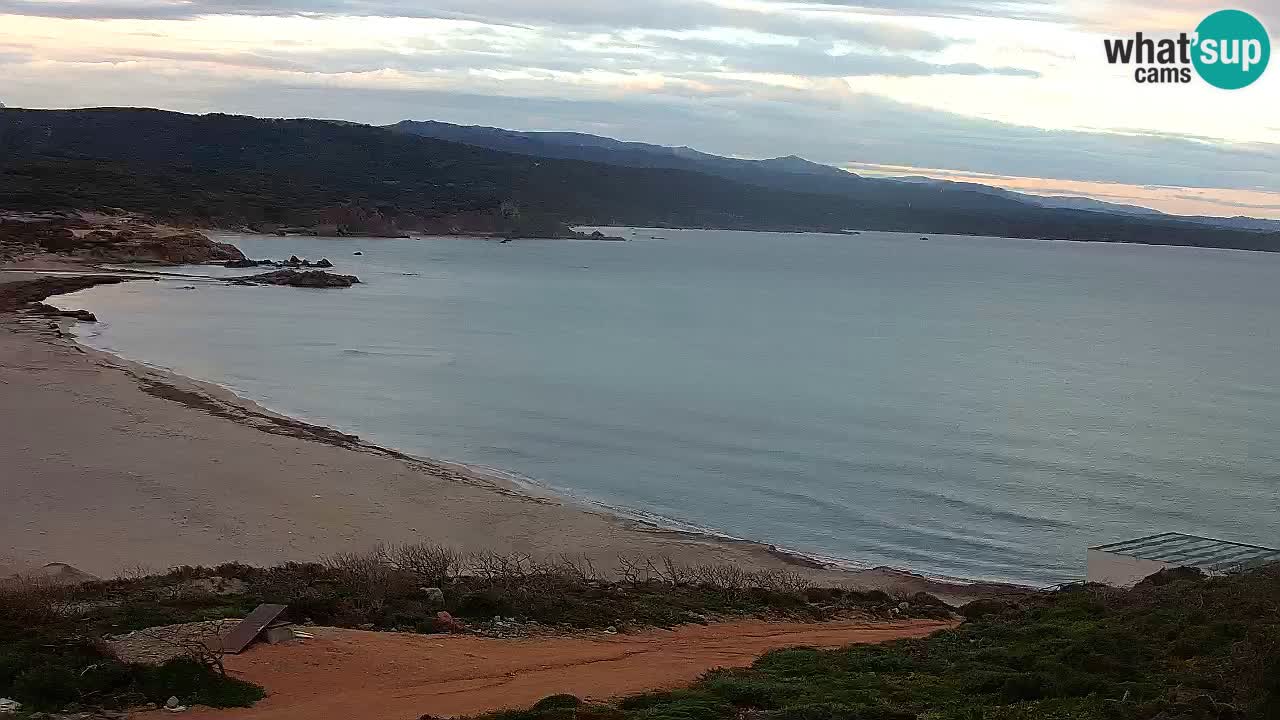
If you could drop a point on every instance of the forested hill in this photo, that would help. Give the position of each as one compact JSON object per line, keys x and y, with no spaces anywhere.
{"x":233,"y":170}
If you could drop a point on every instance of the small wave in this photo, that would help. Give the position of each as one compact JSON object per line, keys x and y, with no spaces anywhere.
{"x":665,"y":523}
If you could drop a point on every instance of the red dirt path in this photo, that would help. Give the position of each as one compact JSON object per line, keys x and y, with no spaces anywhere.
{"x":394,"y":676}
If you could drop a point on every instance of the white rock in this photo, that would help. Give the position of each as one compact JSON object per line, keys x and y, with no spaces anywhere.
{"x":9,"y":706}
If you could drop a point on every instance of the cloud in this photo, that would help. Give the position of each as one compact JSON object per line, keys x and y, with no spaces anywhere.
{"x":1230,"y":203}
{"x":812,"y":60}
{"x":598,"y":15}
{"x":1012,"y":9}
{"x":1128,"y":16}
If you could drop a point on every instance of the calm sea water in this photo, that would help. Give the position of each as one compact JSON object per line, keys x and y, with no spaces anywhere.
{"x":972,"y":407}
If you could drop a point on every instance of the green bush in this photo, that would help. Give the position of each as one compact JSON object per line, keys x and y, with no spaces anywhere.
{"x":1188,"y":649}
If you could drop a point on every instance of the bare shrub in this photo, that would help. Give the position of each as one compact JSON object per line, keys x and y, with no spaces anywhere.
{"x":502,"y":569}
{"x":579,"y":568}
{"x":780,"y":580}
{"x":33,"y":599}
{"x":431,"y":563}
{"x":368,"y":577}
{"x":137,"y":572}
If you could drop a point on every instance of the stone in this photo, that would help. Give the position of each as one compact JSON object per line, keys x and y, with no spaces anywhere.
{"x":303,"y":278}
{"x":278,"y":635}
{"x":172,"y":702}
{"x":294,"y":260}
{"x":448,"y":624}
{"x":433,"y":595}
{"x":39,"y":308}
{"x":9,"y":706}
{"x":357,"y":253}
{"x":324,"y":263}
{"x":243,"y":263}
{"x":904,"y":606}
{"x":218,"y":585}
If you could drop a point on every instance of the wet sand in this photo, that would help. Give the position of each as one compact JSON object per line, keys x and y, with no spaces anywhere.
{"x":354,"y":674}
{"x":108,"y":465}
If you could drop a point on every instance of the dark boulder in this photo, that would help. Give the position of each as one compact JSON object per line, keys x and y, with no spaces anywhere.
{"x":17,"y":295}
{"x":39,"y":308}
{"x":324,"y":263}
{"x":302,"y":278}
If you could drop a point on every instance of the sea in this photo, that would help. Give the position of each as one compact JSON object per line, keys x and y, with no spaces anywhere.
{"x":966,"y":407}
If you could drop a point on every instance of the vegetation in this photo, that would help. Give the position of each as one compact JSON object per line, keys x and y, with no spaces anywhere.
{"x":51,"y":638}
{"x":1189,"y":649}
{"x":230,"y":171}
{"x":51,"y":657}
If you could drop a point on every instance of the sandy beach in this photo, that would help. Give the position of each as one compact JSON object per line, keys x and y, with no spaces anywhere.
{"x":111,"y":466}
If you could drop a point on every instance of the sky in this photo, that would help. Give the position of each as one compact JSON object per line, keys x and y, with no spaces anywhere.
{"x":1015,"y":93}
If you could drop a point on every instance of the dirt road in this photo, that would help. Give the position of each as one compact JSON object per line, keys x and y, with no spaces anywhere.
{"x":393,"y":676}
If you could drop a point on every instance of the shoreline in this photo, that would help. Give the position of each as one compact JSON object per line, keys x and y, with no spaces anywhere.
{"x":580,"y":527}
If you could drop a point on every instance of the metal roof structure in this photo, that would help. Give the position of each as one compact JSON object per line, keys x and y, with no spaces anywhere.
{"x":1214,"y":556}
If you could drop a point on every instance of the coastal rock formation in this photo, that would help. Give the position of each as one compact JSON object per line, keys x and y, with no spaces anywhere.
{"x":130,"y":242}
{"x":188,"y":248}
{"x":302,"y":278}
{"x":40,"y":308}
{"x":293,"y":262}
{"x":18,"y":295}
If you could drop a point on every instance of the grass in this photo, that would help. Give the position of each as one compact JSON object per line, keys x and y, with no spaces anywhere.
{"x":1193,"y":649}
{"x":51,"y":655}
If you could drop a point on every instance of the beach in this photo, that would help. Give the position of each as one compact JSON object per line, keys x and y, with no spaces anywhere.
{"x":112,"y":467}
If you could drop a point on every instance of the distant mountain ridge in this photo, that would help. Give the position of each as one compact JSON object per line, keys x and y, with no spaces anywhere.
{"x":791,"y":172}
{"x":231,"y":171}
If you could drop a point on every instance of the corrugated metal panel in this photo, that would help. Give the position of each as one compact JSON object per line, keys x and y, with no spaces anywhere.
{"x":1205,"y":553}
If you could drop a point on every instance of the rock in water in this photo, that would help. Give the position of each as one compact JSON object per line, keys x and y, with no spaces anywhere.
{"x":39,"y":308}
{"x":302,"y":278}
{"x":324,"y":263}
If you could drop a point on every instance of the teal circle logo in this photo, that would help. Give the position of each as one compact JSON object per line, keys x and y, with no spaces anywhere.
{"x":1233,"y":49}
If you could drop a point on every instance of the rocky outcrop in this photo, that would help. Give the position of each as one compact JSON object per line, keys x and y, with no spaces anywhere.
{"x":19,"y":295}
{"x":134,"y":246}
{"x":122,"y":243}
{"x":293,"y":262}
{"x":301,"y":278}
{"x":40,"y":308}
